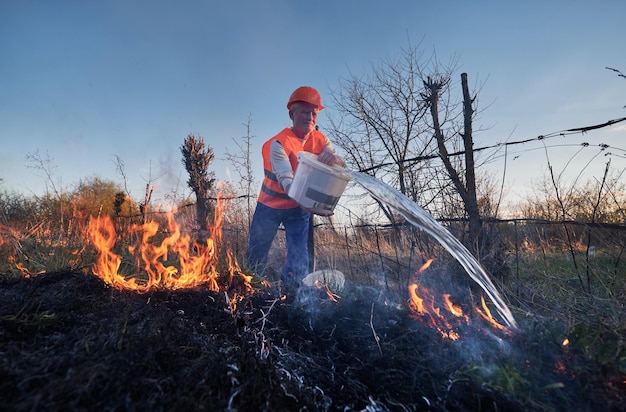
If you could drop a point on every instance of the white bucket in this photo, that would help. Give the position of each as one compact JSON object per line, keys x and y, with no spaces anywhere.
{"x":317,"y":186}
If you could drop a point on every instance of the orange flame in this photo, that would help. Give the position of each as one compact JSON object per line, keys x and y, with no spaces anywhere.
{"x":488,"y":317}
{"x":331,"y":295}
{"x":425,"y":265}
{"x":452,"y":308}
{"x":8,"y":235}
{"x":175,"y":262}
{"x":486,"y":314}
{"x":423,"y":304}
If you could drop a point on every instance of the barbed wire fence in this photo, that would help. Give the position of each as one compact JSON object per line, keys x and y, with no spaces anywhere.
{"x":521,"y":235}
{"x":578,"y":130}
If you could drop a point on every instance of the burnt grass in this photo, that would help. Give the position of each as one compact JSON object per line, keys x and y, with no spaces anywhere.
{"x":70,"y":342}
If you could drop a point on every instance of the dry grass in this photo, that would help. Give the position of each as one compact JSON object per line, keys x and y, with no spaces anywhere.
{"x":557,"y":291}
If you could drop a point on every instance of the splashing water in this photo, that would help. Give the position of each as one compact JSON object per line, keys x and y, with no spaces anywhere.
{"x":423,"y":220}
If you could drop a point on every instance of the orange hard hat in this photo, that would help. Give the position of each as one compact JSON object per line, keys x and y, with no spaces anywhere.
{"x":305,"y":94}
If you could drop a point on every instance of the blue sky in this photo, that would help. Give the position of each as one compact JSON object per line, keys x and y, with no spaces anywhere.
{"x":85,"y":81}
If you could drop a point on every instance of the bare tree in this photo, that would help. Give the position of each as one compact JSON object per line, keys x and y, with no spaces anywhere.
{"x":45,"y":164}
{"x":381,"y":121}
{"x":402,"y":122}
{"x":406,"y":125}
{"x":384,"y":124}
{"x":197,"y":158}
{"x":465,"y":188}
{"x":55,"y":202}
{"x":243,"y":165}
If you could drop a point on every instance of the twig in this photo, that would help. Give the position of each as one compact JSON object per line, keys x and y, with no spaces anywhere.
{"x":230,"y":308}
{"x":263,"y":344}
{"x":265,"y":315}
{"x":376,"y":338}
{"x":232,"y":398}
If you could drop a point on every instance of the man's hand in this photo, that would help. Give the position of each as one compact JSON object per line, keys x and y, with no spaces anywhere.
{"x":323,"y":213}
{"x":330,"y":158}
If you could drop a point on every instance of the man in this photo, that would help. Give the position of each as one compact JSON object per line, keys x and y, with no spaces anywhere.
{"x":274,"y":206}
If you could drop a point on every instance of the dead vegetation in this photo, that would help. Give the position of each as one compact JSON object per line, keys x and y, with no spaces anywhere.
{"x":70,"y":342}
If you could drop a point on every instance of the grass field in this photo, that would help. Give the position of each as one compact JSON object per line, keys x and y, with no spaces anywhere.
{"x":569,"y":303}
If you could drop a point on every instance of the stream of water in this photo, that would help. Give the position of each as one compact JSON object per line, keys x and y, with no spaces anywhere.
{"x":423,"y":220}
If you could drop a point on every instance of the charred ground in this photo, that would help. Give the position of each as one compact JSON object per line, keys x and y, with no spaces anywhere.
{"x":70,"y":342}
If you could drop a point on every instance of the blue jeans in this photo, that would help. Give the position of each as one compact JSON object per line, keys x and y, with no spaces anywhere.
{"x":265,"y":223}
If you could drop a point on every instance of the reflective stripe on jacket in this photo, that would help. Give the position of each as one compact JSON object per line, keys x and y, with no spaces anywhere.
{"x":272,"y":194}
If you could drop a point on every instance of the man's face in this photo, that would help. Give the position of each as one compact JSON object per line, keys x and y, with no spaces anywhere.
{"x":304,"y":117}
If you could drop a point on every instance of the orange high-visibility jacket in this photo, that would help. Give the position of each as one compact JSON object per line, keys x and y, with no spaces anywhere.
{"x":272,"y":194}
